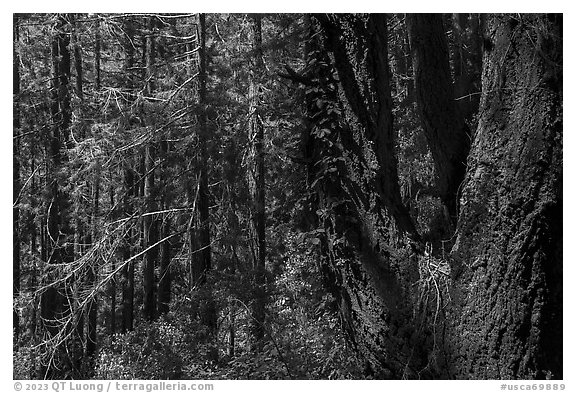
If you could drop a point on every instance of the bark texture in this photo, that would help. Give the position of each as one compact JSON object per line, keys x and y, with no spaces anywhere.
{"x":150,"y":221}
{"x":16,"y":182}
{"x":350,"y":143}
{"x":507,"y":317}
{"x":58,"y":242}
{"x":129,"y":194}
{"x":202,"y":257}
{"x":256,"y":180}
{"x":492,"y":308}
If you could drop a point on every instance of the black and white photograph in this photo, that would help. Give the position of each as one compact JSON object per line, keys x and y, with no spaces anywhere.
{"x":287,"y":196}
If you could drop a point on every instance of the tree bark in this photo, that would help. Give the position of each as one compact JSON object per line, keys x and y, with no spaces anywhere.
{"x":59,"y":236}
{"x":506,"y":322}
{"x":91,"y":338}
{"x":150,"y":221}
{"x":493,"y":307}
{"x":58,"y":229}
{"x":165,"y":279}
{"x":129,"y":193}
{"x":16,"y":181}
{"x":256,"y":179}
{"x":111,"y":327}
{"x":205,"y":256}
{"x":358,"y":47}
{"x":363,"y":224}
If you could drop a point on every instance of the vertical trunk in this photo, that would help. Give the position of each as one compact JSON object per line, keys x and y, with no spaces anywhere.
{"x":353,"y":170}
{"x":150,"y":221}
{"x":493,"y":308}
{"x":128,"y":270}
{"x":97,"y":56}
{"x":203,"y":260}
{"x":364,"y":90}
{"x":150,"y":238}
{"x":256,"y":180}
{"x":92,"y":272}
{"x":78,"y":64}
{"x":444,"y":127}
{"x":129,"y":192}
{"x":59,"y":241}
{"x":16,"y":183}
{"x":112,"y":285}
{"x":164,"y":282}
{"x":81,"y":234}
{"x":57,"y":228}
{"x":34,"y":247}
{"x":507,"y":319}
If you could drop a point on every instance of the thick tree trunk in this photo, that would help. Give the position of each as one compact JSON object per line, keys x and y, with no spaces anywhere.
{"x":443,"y":125}
{"x":493,"y":308}
{"x":358,"y":47}
{"x":506,"y":321}
{"x":365,"y":228}
{"x":256,"y":180}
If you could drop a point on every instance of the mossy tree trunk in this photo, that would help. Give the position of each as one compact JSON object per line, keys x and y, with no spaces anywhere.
{"x":493,"y":307}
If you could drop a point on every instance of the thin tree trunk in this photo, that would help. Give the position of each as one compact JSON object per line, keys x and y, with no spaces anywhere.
{"x":164,"y":282}
{"x":129,"y":192}
{"x":91,"y":338}
{"x":256,"y":179}
{"x":97,"y":56}
{"x":81,"y":233}
{"x":150,"y":221}
{"x":58,"y":231}
{"x":128,"y":270}
{"x":16,"y":183}
{"x":112,"y":285}
{"x":204,"y":259}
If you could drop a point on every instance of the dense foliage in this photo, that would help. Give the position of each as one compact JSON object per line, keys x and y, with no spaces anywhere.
{"x":226,"y":196}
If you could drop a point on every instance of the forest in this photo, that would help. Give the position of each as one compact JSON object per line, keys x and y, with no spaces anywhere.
{"x":287,"y":196}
